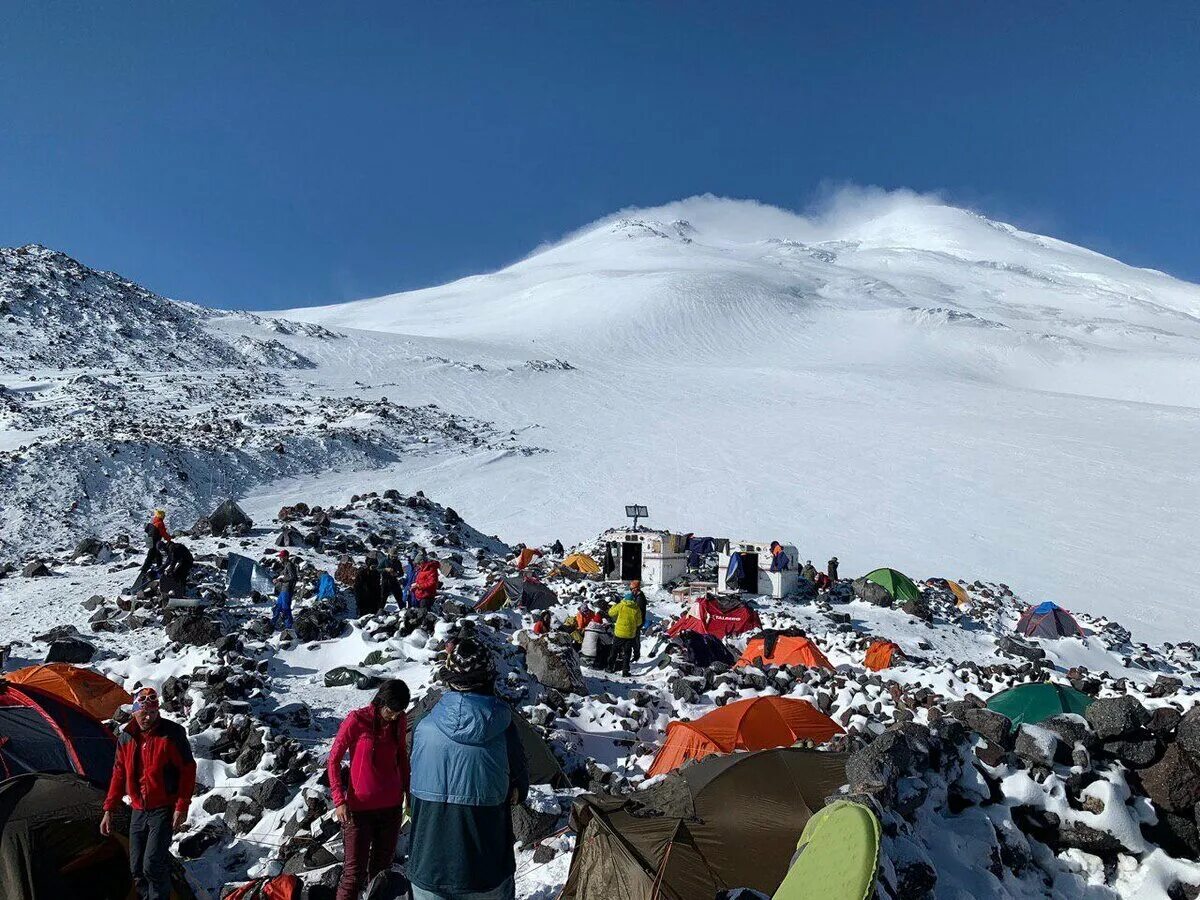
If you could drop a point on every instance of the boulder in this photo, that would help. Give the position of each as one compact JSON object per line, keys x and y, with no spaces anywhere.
{"x":1163,"y":720}
{"x":1012,"y":646}
{"x":35,"y":569}
{"x":317,"y":623}
{"x":1173,"y":783}
{"x":1072,"y":729}
{"x":1165,"y":686}
{"x":70,"y":650}
{"x":194,"y":627}
{"x":992,"y":726}
{"x":871,"y":592}
{"x":1116,"y":717}
{"x":242,"y":813}
{"x":918,"y":609}
{"x":531,"y":826}
{"x":194,"y":845}
{"x":1089,"y":840}
{"x":89,"y":546}
{"x":1187,"y":734}
{"x":878,"y":766}
{"x":555,"y":665}
{"x":1036,"y":745}
{"x":1135,"y":753}
{"x":270,"y":793}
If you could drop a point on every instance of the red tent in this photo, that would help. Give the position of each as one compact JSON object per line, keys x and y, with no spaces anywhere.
{"x":40,"y":732}
{"x":718,"y":616}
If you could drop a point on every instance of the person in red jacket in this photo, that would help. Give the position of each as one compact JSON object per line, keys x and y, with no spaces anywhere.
{"x":155,"y":769}
{"x":368,"y":799}
{"x":426,"y":584}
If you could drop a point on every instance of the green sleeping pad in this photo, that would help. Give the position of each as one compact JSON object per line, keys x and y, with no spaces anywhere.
{"x":836,"y":857}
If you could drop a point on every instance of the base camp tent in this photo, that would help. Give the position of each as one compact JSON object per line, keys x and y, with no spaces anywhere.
{"x":773,"y":648}
{"x":526,"y":556}
{"x":228,"y":516}
{"x":837,"y":855}
{"x":543,"y":765}
{"x":882,"y":655}
{"x":702,"y":650}
{"x":718,"y":616}
{"x":1029,"y":704}
{"x":898,"y":585}
{"x":757,"y":723}
{"x":726,"y":821}
{"x":88,"y":690}
{"x":581,"y":563}
{"x":523,"y":592}
{"x":1048,"y":620}
{"x":40,"y":732}
{"x":51,"y":847}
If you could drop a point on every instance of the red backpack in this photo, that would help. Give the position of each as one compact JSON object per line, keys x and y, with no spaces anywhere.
{"x":281,"y":887}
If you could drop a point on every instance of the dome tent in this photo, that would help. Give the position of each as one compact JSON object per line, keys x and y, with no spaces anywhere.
{"x":1048,"y":620}
{"x":718,"y":616}
{"x":898,"y":585}
{"x":88,"y":690}
{"x":1029,"y":704}
{"x":757,"y":723}
{"x":581,"y":563}
{"x":783,"y":649}
{"x":522,"y":592}
{"x":40,"y":732}
{"x":725,"y":820}
{"x":883,"y":654}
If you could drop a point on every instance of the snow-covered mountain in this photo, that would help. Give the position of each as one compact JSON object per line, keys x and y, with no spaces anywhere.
{"x":895,"y":381}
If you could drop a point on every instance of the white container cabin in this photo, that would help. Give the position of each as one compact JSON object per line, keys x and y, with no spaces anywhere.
{"x":756,"y":575}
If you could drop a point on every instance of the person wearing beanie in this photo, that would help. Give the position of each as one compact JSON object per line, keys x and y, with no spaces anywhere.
{"x":468,"y":769}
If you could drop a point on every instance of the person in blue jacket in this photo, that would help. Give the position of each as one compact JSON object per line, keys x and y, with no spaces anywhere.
{"x":468,"y":769}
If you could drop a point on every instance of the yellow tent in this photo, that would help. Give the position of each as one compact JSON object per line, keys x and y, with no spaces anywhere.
{"x":581,"y":562}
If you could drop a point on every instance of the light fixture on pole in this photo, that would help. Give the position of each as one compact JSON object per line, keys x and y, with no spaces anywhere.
{"x":636,"y":512}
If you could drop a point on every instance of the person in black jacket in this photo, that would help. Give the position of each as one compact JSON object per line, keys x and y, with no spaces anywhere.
{"x":177,"y":562}
{"x":635,"y":588}
{"x":831,"y":567}
{"x":367,"y":587}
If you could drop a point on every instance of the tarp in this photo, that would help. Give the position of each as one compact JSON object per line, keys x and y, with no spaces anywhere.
{"x":724,"y":822}
{"x":88,"y":690}
{"x":543,"y":765}
{"x":718,"y":616}
{"x":40,"y":732}
{"x":523,"y":592}
{"x":1030,"y":704}
{"x":882,"y":655}
{"x":783,"y":650}
{"x":51,"y":847}
{"x":583,"y":563}
{"x":897,"y":584}
{"x":837,"y":856}
{"x":698,"y":548}
{"x":757,"y":723}
{"x":1048,"y":620}
{"x":239,"y":574}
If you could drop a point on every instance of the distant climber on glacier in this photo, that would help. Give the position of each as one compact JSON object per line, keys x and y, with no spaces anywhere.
{"x":779,"y":560}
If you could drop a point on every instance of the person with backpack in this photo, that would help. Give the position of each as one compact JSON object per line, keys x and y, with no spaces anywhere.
{"x":154,"y":767}
{"x":285,"y":584}
{"x":177,"y":562}
{"x":638,"y":597}
{"x":391,"y":578}
{"x":809,"y":571}
{"x":368,"y":796}
{"x":468,"y":770}
{"x":426,"y":583}
{"x":159,"y":523}
{"x":367,"y":587}
{"x":627,"y":622}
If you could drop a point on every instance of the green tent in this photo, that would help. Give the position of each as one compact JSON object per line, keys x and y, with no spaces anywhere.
{"x":837,"y":856}
{"x":899,"y":585}
{"x":1033,"y":703}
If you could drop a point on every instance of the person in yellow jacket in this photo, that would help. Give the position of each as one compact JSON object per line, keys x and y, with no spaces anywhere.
{"x":627,"y":618}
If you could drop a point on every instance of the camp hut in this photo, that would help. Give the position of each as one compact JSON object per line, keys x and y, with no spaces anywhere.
{"x":883,"y":654}
{"x":543,"y":765}
{"x":40,"y":732}
{"x":523,"y":592}
{"x":1029,"y":704}
{"x":51,"y":847}
{"x":1048,"y":620}
{"x":227,"y":517}
{"x":721,"y":617}
{"x":726,"y":821}
{"x":745,"y":567}
{"x":88,"y":690}
{"x":652,"y":557}
{"x":581,"y":563}
{"x":757,"y":723}
{"x":783,"y":649}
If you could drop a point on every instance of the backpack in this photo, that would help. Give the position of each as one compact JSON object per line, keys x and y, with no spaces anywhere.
{"x":151,"y":535}
{"x":281,"y":887}
{"x":326,"y":589}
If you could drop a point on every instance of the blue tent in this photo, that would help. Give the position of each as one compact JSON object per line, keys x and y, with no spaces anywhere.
{"x":1048,"y":620}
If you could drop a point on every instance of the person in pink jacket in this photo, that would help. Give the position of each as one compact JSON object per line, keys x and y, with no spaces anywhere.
{"x":368,"y":798}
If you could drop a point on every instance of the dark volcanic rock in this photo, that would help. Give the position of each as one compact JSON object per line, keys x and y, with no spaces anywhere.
{"x":70,"y":650}
{"x":1116,"y":717}
{"x":1173,"y":783}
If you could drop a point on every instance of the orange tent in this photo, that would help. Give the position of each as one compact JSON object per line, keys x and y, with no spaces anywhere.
{"x":527,"y":556}
{"x":789,"y":650}
{"x":758,"y":723}
{"x":960,"y":595}
{"x":83,"y":687}
{"x":882,"y":654}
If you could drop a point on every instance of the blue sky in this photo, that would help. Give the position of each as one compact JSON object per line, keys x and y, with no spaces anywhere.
{"x":265,"y":155}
